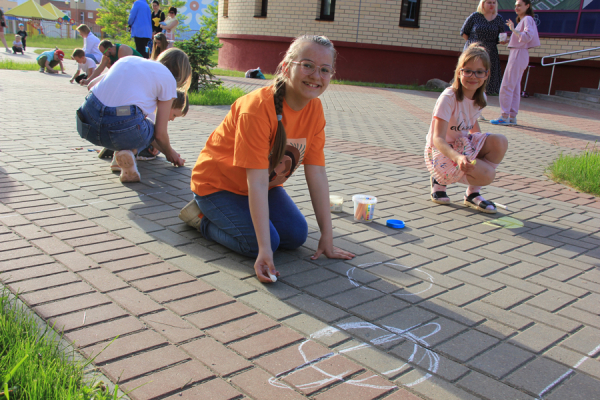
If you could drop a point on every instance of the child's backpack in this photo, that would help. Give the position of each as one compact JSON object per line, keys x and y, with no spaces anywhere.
{"x":255,"y":74}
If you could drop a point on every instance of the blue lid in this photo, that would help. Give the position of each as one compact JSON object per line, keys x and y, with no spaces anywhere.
{"x":395,"y":223}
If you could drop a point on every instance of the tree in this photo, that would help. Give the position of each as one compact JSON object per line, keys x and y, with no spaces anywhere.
{"x":199,"y":49}
{"x":113,"y":16}
{"x":209,"y":22}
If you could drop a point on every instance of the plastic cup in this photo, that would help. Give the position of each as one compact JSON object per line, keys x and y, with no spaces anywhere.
{"x":364,"y":207}
{"x":336,"y":203}
{"x":502,"y":37}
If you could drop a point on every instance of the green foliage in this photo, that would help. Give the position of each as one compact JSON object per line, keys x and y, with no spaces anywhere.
{"x":216,"y":97}
{"x":199,"y":51}
{"x":209,"y":22}
{"x":581,"y":171}
{"x":34,"y":366}
{"x":18,"y":66}
{"x":113,"y":16}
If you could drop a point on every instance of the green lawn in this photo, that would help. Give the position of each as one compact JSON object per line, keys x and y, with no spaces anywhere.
{"x":19,"y":66}
{"x":581,"y":171}
{"x":215,"y":97}
{"x":34,"y":365}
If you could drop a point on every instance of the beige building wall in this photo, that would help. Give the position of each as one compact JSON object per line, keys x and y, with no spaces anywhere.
{"x":377,"y":22}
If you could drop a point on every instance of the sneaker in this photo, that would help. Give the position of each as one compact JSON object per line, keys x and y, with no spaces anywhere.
{"x":481,"y":118}
{"x":114,"y":167}
{"x":501,"y":121}
{"x":513,"y":120}
{"x":126,"y":161}
{"x":42,"y":70}
{"x":191,"y":214}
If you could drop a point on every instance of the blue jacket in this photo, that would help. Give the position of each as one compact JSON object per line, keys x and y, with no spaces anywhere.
{"x":140,"y":20}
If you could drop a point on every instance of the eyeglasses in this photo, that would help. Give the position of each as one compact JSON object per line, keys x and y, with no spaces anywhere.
{"x":309,"y":68}
{"x":468,"y":73}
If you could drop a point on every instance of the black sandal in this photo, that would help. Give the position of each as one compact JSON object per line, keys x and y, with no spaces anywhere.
{"x":438,"y":197}
{"x":106,"y":153}
{"x":482,"y":206}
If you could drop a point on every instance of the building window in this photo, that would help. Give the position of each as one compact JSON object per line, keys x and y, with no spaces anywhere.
{"x":327,"y":10}
{"x":82,"y":16}
{"x":409,"y":13}
{"x":90,"y":15}
{"x":225,"y":8}
{"x":260,"y":8}
{"x":560,"y":18}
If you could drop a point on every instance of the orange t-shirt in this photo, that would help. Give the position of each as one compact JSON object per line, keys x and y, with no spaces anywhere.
{"x":245,"y":138}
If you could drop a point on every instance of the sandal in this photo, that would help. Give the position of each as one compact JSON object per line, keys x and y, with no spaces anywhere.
{"x":146,"y":154}
{"x":191,"y":215}
{"x":439,"y":197}
{"x":482,"y":205}
{"x":106,"y":153}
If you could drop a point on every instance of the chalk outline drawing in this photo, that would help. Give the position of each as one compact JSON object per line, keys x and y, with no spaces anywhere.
{"x":569,"y":372}
{"x":393,"y":334}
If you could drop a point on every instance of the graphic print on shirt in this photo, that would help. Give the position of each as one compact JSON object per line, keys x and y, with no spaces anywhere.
{"x":463,"y":123}
{"x":293,"y":157}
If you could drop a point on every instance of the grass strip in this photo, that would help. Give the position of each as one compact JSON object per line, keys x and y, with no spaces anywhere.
{"x":19,"y":66}
{"x":240,"y":74}
{"x":581,"y":171}
{"x":215,"y":97}
{"x":33,"y":363}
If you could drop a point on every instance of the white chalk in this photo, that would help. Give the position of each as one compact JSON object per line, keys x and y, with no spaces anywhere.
{"x":273,"y":277}
{"x":501,"y":206}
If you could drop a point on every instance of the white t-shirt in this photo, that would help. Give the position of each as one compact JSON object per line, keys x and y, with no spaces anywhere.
{"x":461,"y":115}
{"x":89,"y":63}
{"x":136,"y":81}
{"x":90,"y":46}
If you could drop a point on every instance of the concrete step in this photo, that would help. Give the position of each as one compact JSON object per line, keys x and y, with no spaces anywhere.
{"x":595,"y":92}
{"x":572,"y":102}
{"x":579,"y":96}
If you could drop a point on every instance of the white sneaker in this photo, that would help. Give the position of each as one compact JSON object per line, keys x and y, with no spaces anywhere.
{"x":129,"y":171}
{"x":191,"y":214}
{"x":114,"y":167}
{"x":513,"y":120}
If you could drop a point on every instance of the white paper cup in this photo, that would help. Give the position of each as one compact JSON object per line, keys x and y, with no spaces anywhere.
{"x":364,"y":207}
{"x":336,"y":203}
{"x":502,"y":37}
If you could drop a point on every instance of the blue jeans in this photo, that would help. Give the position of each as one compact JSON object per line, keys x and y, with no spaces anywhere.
{"x":227,"y":221}
{"x":93,"y":57}
{"x":103,"y":127}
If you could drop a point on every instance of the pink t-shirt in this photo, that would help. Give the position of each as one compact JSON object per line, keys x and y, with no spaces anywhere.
{"x":528,"y":37}
{"x":461,"y":116}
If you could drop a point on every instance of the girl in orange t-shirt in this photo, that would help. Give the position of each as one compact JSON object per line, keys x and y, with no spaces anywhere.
{"x":238,"y":198}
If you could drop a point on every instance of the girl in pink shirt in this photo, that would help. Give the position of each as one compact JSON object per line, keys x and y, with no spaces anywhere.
{"x":524,"y":36}
{"x":456,"y":150}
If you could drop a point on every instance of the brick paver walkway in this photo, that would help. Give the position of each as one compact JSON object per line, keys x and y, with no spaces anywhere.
{"x":454,"y":306}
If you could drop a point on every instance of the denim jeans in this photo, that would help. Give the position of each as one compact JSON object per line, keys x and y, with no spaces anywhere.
{"x":227,"y":221}
{"x":103,"y":127}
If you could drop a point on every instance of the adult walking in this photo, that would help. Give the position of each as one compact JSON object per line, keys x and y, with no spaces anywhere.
{"x":2,"y":25}
{"x":90,"y":43}
{"x":140,"y":21}
{"x":524,"y":37}
{"x":484,"y":26}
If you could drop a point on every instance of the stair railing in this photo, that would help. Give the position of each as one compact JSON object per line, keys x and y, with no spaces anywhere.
{"x":554,"y":63}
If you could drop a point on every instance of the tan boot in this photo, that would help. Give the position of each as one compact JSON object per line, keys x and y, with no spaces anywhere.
{"x":191,"y":214}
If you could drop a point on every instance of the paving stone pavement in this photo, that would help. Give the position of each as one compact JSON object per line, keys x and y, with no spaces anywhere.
{"x":457,"y":305}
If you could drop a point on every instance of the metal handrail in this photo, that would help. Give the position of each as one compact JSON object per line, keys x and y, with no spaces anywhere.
{"x":554,"y":63}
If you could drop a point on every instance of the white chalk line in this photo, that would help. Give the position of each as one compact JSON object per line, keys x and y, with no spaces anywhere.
{"x":393,"y":334}
{"x":350,"y":274}
{"x":569,"y":372}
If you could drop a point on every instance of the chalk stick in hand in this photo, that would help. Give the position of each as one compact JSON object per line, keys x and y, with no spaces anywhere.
{"x":273,"y":277}
{"x":474,"y":162}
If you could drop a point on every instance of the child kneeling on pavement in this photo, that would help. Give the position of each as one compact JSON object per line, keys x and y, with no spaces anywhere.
{"x":50,"y":59}
{"x":85,"y":66}
{"x":126,"y":112}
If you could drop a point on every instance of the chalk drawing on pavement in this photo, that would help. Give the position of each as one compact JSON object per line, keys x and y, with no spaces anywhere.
{"x":425,"y":277}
